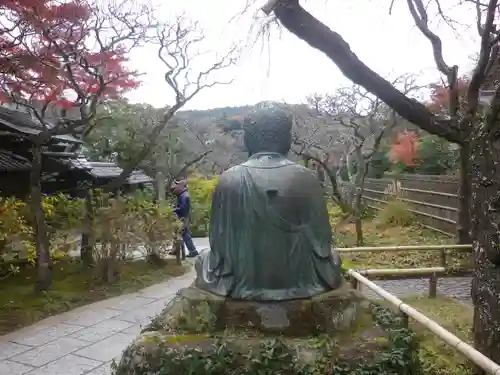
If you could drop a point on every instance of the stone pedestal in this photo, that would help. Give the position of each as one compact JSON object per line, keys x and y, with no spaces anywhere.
{"x":329,"y":312}
{"x":198,"y":328}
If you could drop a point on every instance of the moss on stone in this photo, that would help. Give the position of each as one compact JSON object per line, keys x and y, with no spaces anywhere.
{"x":201,"y":335}
{"x":198,"y":311}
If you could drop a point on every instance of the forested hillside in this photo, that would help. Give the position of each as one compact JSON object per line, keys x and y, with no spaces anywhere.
{"x":210,"y":141}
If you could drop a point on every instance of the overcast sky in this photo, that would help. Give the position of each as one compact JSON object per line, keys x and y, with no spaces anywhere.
{"x":285,"y":68}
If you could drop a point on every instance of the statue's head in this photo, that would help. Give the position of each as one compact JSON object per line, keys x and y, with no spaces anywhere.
{"x":268,"y":130}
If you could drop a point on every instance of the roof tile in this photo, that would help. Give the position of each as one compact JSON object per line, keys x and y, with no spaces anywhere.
{"x":10,"y":162}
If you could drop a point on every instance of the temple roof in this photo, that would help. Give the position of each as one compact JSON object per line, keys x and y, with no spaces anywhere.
{"x":22,"y":122}
{"x":111,"y":170}
{"x":15,"y":121}
{"x":10,"y":162}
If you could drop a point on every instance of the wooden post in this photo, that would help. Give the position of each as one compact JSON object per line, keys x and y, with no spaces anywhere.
{"x":179,"y":256}
{"x":179,"y":247}
{"x":433,"y":286}
{"x":443,"y":258}
{"x":406,"y":320}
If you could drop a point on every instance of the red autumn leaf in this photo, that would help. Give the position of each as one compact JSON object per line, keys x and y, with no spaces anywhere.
{"x":405,"y":149}
{"x":440,"y":95}
{"x":64,"y":104}
{"x":36,"y":36}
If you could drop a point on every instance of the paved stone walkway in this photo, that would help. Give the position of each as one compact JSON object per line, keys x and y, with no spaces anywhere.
{"x":85,"y":341}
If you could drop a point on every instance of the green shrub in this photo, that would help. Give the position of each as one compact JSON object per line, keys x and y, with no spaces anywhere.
{"x":335,"y":214}
{"x":120,"y":226}
{"x":200,"y":192}
{"x":367,"y":212}
{"x":124,"y":225}
{"x":395,"y":213}
{"x":63,"y":217}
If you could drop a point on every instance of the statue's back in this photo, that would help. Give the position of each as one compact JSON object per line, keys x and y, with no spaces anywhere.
{"x":288,"y":188}
{"x":274,"y":226}
{"x":270,"y":236}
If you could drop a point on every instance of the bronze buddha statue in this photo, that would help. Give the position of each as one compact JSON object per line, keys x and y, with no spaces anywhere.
{"x":270,"y":235}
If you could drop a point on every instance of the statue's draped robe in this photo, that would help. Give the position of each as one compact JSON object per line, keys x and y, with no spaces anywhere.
{"x":270,"y":235}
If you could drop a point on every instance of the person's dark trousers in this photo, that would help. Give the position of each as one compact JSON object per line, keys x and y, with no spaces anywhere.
{"x":188,"y":241}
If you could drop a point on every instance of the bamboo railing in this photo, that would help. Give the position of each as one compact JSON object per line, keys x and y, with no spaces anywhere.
{"x":404,"y":248}
{"x":472,"y":354}
{"x":433,"y":273}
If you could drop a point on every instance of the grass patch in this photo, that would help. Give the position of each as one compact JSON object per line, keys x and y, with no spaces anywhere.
{"x":395,"y":213}
{"x":439,"y":358}
{"x":381,"y":235}
{"x":73,"y":286}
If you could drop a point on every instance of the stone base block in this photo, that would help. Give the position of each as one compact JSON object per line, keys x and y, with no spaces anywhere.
{"x":196,"y":310}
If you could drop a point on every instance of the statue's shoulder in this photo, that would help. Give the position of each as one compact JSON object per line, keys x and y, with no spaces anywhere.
{"x":231,"y":176}
{"x":298,"y":166}
{"x":231,"y":172}
{"x":303,"y":179}
{"x":302,"y":171}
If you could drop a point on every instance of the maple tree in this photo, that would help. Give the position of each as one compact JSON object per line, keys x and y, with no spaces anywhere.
{"x":405,"y":149}
{"x":62,"y":55}
{"x":440,"y":96}
{"x":52,"y":52}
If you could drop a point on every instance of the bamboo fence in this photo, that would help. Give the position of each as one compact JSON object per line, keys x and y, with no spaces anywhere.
{"x":472,"y":354}
{"x":432,"y":199}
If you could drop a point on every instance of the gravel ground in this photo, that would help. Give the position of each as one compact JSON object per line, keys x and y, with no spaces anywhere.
{"x":456,"y":287}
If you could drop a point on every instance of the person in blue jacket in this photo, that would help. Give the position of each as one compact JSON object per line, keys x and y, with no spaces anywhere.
{"x":182,"y":208}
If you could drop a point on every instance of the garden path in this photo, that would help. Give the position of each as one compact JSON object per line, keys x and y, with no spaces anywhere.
{"x":84,"y":341}
{"x":87,"y":339}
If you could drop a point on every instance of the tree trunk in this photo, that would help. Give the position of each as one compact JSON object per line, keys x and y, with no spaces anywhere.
{"x":305,"y":159}
{"x":358,"y":223}
{"x":160,"y":187}
{"x":464,"y":197}
{"x":87,"y":245}
{"x":42,"y":243}
{"x":359,"y":183}
{"x":320,"y":172}
{"x":332,"y":176}
{"x":485,"y":215}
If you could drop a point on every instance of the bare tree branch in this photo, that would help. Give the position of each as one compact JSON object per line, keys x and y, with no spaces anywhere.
{"x":301,"y":23}
{"x":479,"y":72}
{"x":419,"y":14}
{"x":178,"y":48}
